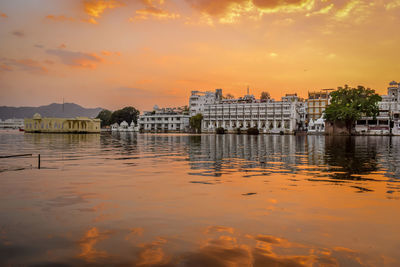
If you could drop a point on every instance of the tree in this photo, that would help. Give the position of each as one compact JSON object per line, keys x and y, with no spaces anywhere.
{"x":350,"y":104}
{"x":265,"y":96}
{"x":228,"y":96}
{"x":105,"y":117}
{"x":127,"y":114}
{"x":220,"y":130}
{"x":195,"y":122}
{"x":253,"y":131}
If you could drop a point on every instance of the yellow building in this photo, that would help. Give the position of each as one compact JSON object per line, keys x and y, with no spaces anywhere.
{"x":316,"y":103}
{"x":61,"y":125}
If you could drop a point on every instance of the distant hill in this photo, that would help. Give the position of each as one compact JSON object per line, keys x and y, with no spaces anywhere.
{"x":70,"y":110}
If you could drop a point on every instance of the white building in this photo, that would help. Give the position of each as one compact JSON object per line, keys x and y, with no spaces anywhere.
{"x":198,"y":100}
{"x":124,"y":127}
{"x":12,"y":124}
{"x":316,"y":127}
{"x":272,"y":116}
{"x":388,"y":120}
{"x":164,"y":120}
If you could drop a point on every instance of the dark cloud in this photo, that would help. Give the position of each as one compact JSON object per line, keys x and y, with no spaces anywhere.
{"x":18,"y":33}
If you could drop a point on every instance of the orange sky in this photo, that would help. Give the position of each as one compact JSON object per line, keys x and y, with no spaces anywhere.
{"x":114,"y":53}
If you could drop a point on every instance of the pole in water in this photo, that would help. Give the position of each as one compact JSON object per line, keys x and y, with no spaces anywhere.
{"x":38,"y":166}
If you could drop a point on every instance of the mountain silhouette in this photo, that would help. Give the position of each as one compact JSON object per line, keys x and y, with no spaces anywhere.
{"x":70,"y":110}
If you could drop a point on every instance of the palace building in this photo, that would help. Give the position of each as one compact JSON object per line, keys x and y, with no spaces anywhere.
{"x":37,"y":124}
{"x":285,"y":116}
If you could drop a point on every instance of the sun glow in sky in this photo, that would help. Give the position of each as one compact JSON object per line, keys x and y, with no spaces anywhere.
{"x":114,"y":53}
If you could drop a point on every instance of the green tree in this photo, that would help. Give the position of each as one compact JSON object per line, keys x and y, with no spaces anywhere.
{"x":127,"y":114}
{"x":265,"y":96}
{"x":105,"y":117}
{"x":350,"y":104}
{"x":195,"y":122}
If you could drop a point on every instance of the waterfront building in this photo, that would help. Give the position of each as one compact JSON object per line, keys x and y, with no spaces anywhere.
{"x":38,"y":124}
{"x":164,"y":120}
{"x":269,"y":116}
{"x":316,"y":127}
{"x":12,"y":124}
{"x":124,"y":127}
{"x":388,"y":120}
{"x":317,"y":102}
{"x":198,"y":100}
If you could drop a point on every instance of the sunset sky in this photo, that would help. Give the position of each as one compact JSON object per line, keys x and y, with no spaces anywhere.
{"x":115,"y":53}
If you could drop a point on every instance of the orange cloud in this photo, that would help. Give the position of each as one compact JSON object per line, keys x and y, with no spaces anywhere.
{"x":229,"y":11}
{"x":154,"y":12}
{"x":76,"y":59}
{"x":59,"y":18}
{"x":95,"y":8}
{"x":3,"y":15}
{"x":28,"y":65}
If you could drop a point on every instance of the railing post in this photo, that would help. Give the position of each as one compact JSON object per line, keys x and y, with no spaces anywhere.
{"x":38,"y":161}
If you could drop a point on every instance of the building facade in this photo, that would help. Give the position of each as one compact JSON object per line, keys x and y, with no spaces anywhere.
{"x":198,"y":100}
{"x":12,"y":124}
{"x":269,"y":117}
{"x":164,"y":120}
{"x":317,"y":103}
{"x":388,"y":120}
{"x":37,"y":124}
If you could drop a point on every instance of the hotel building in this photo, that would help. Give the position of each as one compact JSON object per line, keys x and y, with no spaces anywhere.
{"x":388,"y":120}
{"x":198,"y":100}
{"x":316,"y":103}
{"x":164,"y":120}
{"x":271,"y":116}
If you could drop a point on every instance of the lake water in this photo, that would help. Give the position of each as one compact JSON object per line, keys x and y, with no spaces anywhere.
{"x":205,"y":200}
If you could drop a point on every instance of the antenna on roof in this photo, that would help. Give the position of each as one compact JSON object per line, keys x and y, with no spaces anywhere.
{"x":248,"y":90}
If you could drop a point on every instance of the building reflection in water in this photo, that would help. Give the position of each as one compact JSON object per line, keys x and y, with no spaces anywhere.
{"x":348,"y":155}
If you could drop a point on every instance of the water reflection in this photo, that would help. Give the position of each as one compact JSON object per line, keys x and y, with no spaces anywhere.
{"x":340,"y":159}
{"x":200,"y":200}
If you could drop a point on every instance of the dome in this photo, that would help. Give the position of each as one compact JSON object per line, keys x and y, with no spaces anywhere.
{"x":124,"y":123}
{"x":132,"y":124}
{"x":37,"y":116}
{"x":393,"y":83}
{"x":156,"y":107}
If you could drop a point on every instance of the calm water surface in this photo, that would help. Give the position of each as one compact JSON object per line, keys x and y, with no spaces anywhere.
{"x":182,"y":200}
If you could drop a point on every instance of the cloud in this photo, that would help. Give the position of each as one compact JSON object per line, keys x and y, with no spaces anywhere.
{"x":228,"y":11}
{"x":59,"y":18}
{"x":392,"y":4}
{"x":76,"y":59}
{"x":153,"y":12}
{"x":28,"y":65}
{"x":95,"y":8}
{"x":18,"y":33}
{"x":3,"y":15}
{"x":324,"y":10}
